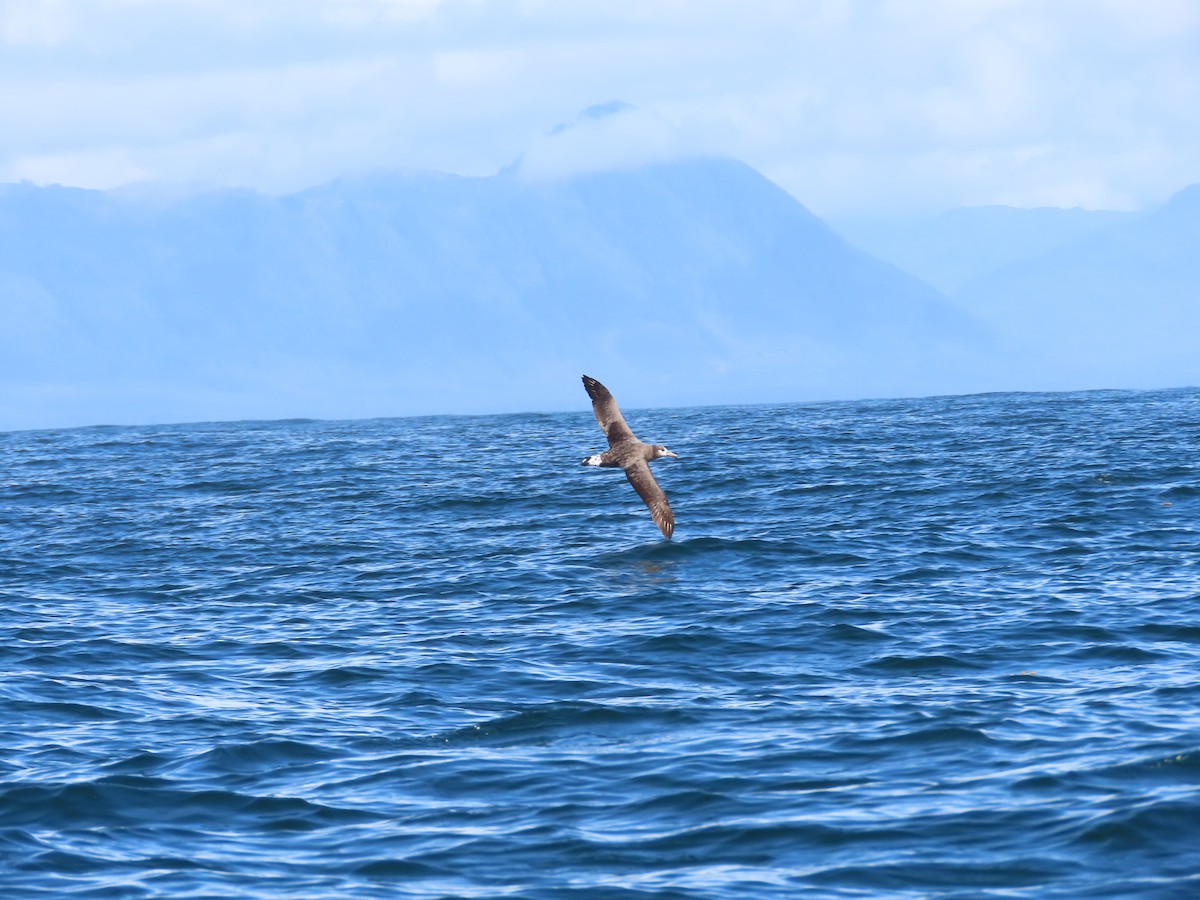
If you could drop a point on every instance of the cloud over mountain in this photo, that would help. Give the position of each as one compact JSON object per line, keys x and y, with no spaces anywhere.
{"x":853,"y":107}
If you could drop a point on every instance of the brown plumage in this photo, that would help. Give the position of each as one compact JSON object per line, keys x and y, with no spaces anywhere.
{"x":627,"y":452}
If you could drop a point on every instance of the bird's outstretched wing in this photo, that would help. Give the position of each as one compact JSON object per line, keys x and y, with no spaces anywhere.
{"x":643,"y":482}
{"x":612,"y":423}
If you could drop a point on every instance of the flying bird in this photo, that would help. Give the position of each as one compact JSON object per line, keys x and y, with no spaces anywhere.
{"x":627,"y":452}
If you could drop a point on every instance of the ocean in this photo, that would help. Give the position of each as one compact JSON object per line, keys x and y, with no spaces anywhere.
{"x":930,"y":648}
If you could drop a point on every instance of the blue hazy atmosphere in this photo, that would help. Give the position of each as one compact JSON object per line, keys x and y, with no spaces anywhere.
{"x":910,"y":648}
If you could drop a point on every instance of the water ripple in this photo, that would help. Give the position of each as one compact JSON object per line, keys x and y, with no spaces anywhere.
{"x":918,"y":648}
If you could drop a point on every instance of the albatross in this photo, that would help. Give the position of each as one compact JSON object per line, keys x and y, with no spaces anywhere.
{"x":627,"y":452}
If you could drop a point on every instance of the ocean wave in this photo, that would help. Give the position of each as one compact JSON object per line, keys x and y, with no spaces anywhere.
{"x":934,"y":648}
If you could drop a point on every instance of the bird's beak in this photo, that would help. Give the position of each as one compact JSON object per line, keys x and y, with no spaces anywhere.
{"x":671,"y":454}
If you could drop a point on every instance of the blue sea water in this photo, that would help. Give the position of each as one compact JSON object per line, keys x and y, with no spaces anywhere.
{"x":945,"y":647}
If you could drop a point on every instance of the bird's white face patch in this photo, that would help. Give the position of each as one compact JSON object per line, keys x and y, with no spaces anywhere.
{"x":592,"y":460}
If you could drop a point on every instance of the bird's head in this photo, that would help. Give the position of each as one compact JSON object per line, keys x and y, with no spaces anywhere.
{"x":660,"y":451}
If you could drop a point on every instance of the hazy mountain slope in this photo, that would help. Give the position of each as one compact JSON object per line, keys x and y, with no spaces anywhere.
{"x":1119,"y":307}
{"x":956,"y":247}
{"x":687,"y":282}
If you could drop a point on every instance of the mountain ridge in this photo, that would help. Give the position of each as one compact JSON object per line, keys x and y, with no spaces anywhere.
{"x":1115,"y":307}
{"x":692,"y":281}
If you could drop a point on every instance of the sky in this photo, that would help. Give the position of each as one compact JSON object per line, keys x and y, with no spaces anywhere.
{"x":857,"y":108}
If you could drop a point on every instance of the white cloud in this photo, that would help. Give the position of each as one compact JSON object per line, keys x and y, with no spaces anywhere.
{"x":620,"y":138}
{"x":43,"y":24}
{"x":848,"y":104}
